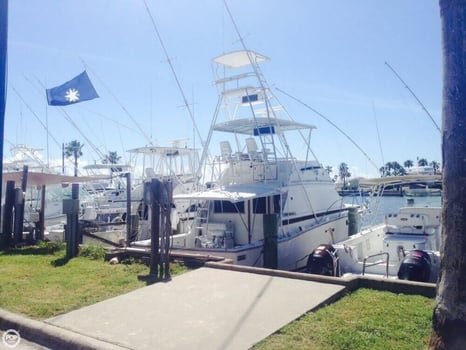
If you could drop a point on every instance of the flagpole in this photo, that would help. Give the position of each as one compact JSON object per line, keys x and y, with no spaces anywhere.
{"x":3,"y":81}
{"x":47,"y":135}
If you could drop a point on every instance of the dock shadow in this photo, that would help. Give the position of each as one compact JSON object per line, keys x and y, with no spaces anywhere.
{"x":151,"y":279}
{"x":60,"y":261}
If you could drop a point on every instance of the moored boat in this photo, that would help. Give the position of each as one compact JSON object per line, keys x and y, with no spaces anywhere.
{"x":404,"y":246}
{"x":266,"y":208}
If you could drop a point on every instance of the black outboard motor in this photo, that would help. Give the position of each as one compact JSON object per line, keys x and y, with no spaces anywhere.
{"x":415,"y":266}
{"x":322,"y":261}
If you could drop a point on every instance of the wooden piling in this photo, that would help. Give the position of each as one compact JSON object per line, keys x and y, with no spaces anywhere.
{"x":7,"y":227}
{"x":270,"y":241}
{"x":19,"y":208}
{"x":18,"y":217}
{"x":130,"y":234}
{"x":155,"y":227}
{"x":71,"y":209}
{"x":41,"y":223}
{"x":160,"y":204}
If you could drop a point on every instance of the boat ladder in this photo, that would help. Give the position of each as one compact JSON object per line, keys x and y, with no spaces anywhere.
{"x":202,"y":217}
{"x":378,"y":262}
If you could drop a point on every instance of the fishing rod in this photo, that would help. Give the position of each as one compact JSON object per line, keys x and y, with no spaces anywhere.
{"x":333,"y":124}
{"x":412,"y":93}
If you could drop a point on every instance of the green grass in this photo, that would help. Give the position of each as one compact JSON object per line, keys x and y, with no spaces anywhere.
{"x":38,"y":281}
{"x":365,"y":319}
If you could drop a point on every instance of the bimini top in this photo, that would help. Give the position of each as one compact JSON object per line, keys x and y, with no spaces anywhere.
{"x":163,"y":151}
{"x":241,"y":58}
{"x":260,"y":125}
{"x":40,"y":179}
{"x":233,"y":193}
{"x":119,"y":167}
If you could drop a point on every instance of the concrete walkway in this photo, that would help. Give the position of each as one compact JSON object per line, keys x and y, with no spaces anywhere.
{"x":206,"y":308}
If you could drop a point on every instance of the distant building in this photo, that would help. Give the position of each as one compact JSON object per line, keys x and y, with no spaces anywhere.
{"x":421,"y":170}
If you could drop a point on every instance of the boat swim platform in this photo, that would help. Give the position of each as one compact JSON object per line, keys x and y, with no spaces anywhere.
{"x":218,"y":306}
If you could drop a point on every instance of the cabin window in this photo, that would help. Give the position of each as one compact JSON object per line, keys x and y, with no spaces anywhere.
{"x":276,"y":204}
{"x":228,"y":207}
{"x":259,"y":205}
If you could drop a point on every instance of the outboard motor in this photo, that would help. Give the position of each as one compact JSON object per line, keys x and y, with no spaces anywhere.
{"x":415,"y":266}
{"x":322,"y":261}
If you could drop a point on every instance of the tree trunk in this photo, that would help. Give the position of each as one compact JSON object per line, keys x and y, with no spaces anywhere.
{"x":449,"y":318}
{"x":75,"y":163}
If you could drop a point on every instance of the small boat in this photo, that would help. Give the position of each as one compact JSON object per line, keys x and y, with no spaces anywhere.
{"x":404,"y":246}
{"x":265,"y":207}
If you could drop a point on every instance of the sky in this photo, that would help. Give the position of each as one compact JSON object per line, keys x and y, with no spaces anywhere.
{"x":330,"y":55}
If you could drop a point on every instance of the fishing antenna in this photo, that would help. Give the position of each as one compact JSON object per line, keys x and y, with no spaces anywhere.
{"x":333,"y":124}
{"x":414,"y":95}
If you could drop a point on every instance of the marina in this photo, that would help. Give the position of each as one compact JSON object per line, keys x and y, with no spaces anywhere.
{"x":252,"y":204}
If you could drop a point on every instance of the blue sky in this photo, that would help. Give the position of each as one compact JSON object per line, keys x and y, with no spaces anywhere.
{"x":328,"y":54}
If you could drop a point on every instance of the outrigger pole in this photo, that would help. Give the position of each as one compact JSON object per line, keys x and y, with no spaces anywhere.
{"x":333,"y":124}
{"x":412,"y":93}
{"x":185,"y":100}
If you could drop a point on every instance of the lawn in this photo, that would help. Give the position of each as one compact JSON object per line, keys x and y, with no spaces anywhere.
{"x":365,"y":319}
{"x":38,"y":282}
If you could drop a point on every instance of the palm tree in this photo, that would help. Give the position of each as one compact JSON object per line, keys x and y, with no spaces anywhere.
{"x":422,"y":162}
{"x":398,"y":169}
{"x":111,"y":158}
{"x":74,"y":149}
{"x":388,"y":168}
{"x":449,"y":317}
{"x":408,"y":163}
{"x":383,"y":171}
{"x":344,"y":173}
{"x":435,"y":165}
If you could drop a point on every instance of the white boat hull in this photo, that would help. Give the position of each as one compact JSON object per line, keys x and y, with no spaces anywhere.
{"x":292,"y":250}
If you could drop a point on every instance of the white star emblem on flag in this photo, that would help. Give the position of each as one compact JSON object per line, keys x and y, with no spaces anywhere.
{"x":72,"y":95}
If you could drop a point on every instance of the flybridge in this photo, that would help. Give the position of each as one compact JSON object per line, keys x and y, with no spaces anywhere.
{"x":260,"y":125}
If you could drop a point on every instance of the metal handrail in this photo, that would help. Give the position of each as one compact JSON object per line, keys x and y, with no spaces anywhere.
{"x":376,"y":262}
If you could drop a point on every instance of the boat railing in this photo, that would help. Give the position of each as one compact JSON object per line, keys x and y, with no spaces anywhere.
{"x":374,"y":263}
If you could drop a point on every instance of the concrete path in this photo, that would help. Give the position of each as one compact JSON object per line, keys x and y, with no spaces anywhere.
{"x":206,"y":308}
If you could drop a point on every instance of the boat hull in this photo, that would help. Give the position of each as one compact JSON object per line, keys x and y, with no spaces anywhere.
{"x":292,"y":250}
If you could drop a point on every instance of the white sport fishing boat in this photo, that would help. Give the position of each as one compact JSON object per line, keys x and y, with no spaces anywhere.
{"x":404,"y":246}
{"x":266,"y":208}
{"x":175,"y":163}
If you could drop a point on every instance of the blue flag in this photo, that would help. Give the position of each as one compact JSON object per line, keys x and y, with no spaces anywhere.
{"x":76,"y":90}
